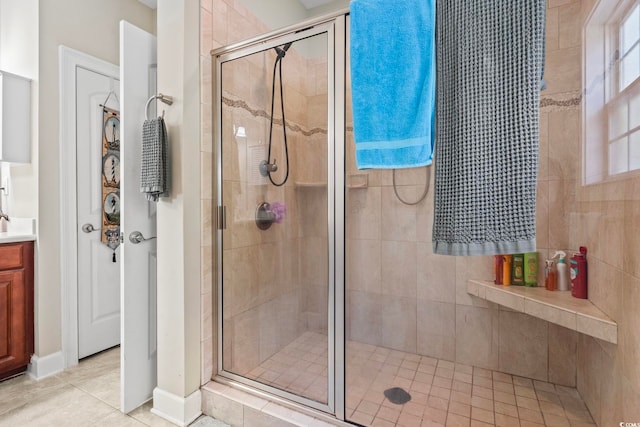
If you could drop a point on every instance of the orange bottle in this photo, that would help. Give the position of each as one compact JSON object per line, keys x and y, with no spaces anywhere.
{"x":549,"y":275}
{"x":506,"y":269}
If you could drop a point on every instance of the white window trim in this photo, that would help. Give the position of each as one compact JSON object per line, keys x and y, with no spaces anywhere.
{"x":600,"y":88}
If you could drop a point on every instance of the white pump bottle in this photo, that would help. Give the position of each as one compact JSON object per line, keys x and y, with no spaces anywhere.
{"x":563,"y":271}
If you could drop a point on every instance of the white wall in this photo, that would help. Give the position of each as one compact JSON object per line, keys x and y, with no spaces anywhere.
{"x":19,"y":55}
{"x":179,"y":215}
{"x":90,"y":26}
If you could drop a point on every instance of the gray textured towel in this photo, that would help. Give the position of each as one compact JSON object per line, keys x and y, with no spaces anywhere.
{"x":153,"y":171}
{"x":489,"y":66}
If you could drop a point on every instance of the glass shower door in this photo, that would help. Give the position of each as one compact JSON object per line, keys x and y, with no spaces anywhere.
{"x":274,"y":260}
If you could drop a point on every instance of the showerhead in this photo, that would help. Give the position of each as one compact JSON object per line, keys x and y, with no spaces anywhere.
{"x":282,"y":51}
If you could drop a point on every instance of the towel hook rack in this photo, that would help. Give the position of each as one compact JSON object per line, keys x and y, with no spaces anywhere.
{"x":160,"y":96}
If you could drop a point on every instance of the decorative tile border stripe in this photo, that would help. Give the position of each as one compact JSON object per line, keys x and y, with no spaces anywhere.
{"x":560,"y":102}
{"x":239,"y":103}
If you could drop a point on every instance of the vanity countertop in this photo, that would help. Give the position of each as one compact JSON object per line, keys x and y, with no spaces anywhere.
{"x":19,"y":230}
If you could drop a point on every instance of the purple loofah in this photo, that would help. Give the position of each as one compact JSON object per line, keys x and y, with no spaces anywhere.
{"x":279,"y":209}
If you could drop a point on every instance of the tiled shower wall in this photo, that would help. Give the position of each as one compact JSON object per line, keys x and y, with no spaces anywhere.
{"x":424,"y":296}
{"x":604,"y":217}
{"x":275,"y":277}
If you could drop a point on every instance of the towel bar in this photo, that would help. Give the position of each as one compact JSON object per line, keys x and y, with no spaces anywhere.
{"x":164,"y":98}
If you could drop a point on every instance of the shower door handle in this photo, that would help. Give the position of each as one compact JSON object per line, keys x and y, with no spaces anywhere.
{"x":222,"y":218}
{"x":137,"y":237}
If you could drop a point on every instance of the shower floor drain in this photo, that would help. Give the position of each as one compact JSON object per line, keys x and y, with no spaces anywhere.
{"x":397,"y":395}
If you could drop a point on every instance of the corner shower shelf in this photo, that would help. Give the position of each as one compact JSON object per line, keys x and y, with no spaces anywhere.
{"x":557,"y":307}
{"x":358,"y":181}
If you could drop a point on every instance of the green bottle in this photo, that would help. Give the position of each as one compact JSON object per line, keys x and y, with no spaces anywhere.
{"x":531,"y":269}
{"x":517,"y":275}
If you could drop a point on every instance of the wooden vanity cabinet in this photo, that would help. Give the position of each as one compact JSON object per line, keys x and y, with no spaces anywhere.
{"x":16,"y":307}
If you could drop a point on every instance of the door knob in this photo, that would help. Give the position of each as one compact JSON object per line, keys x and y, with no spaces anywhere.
{"x":137,"y":237}
{"x":88,"y":228}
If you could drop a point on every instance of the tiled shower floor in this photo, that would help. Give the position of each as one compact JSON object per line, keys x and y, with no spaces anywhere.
{"x":442,"y":392}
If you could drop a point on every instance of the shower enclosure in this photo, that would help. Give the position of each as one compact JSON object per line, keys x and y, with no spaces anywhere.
{"x":307,"y":308}
{"x":280,"y":180}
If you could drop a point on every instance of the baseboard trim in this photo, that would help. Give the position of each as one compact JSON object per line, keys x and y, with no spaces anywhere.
{"x":42,"y":367}
{"x":178,"y":410}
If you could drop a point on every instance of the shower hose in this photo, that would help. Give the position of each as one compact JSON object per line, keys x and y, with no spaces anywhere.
{"x":281,"y":53}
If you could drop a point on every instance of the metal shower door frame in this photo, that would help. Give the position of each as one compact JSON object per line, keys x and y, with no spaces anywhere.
{"x":334,"y":26}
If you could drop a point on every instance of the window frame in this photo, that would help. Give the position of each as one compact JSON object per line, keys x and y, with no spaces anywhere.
{"x":617,"y":97}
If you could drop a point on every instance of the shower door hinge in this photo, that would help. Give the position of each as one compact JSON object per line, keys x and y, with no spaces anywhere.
{"x":222,"y":218}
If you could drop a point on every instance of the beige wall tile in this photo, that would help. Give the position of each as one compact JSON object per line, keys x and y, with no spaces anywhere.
{"x":206,"y":237}
{"x":206,"y":319}
{"x":556,"y":3}
{"x":631,"y":252}
{"x":523,"y":347}
{"x":552,"y":35}
{"x":630,"y":399}
{"x":206,"y":131}
{"x":542,"y":215}
{"x":611,"y":392}
{"x":399,"y":275}
{"x":424,"y":215}
{"x":436,"y":275}
{"x":629,"y":329}
{"x":562,"y":70}
{"x":398,"y":220}
{"x":364,"y":317}
{"x":543,"y":161}
{"x":207,"y":5}
{"x":561,"y":197}
{"x":570,"y":25}
{"x":207,"y":361}
{"x":206,"y":273}
{"x":242,"y":288}
{"x":398,"y":322}
{"x":364,"y":265}
{"x":206,"y":79}
{"x":254,"y":417}
{"x":206,"y":31}
{"x":605,"y":288}
{"x":611,"y":232}
{"x":476,"y":343}
{"x":245,"y":348}
{"x":589,"y":370}
{"x":480,"y":268}
{"x":562,"y":355}
{"x":436,"y":329}
{"x":223,"y":409}
{"x":552,"y":314}
{"x":564,"y":144}
{"x":364,"y":213}
{"x":314,"y":264}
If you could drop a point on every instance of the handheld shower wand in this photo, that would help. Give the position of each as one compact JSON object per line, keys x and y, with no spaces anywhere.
{"x":266,"y":167}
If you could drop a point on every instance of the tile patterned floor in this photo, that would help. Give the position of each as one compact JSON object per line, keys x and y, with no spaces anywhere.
{"x":85,"y":395}
{"x":442,"y":393}
{"x":300,"y":367}
{"x":449,"y":394}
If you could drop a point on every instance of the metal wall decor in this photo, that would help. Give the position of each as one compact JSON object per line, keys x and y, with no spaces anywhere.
{"x":111,"y":179}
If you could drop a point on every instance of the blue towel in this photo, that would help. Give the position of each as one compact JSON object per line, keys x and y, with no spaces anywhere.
{"x":393,"y":82}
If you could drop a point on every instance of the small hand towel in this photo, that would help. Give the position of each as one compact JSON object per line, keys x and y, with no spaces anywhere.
{"x":153,"y":170}
{"x":392,"y":49}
